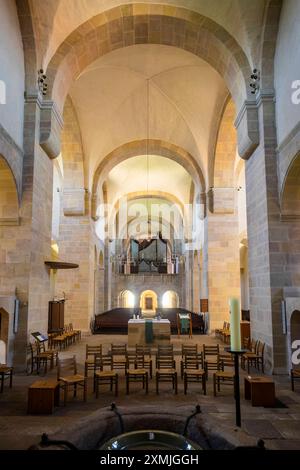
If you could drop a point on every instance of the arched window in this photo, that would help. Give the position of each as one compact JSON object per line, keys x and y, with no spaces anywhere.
{"x":170,"y":299}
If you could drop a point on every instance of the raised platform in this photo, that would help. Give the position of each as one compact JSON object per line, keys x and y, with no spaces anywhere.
{"x":116,"y":320}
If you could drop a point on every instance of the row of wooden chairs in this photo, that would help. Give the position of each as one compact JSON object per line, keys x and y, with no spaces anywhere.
{"x":194,"y":365}
{"x":39,"y":357}
{"x":223,"y":333}
{"x":64,"y":339}
{"x":254,"y":357}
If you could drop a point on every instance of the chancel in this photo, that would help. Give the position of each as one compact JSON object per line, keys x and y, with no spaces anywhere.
{"x":149,"y":221}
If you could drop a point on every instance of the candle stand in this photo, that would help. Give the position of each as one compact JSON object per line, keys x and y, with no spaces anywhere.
{"x":237,"y":395}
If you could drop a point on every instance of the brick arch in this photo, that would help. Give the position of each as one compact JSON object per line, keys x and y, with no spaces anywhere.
{"x":141,"y":147}
{"x":148,"y":24}
{"x":225,"y":149}
{"x":290,"y":194}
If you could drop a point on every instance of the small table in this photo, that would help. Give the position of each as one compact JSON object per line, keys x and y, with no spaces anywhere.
{"x":43,"y":395}
{"x":260,"y":390}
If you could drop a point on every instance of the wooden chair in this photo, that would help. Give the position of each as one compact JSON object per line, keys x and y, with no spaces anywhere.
{"x":39,"y":359}
{"x":6,"y":372}
{"x":143,"y":358}
{"x":137,"y":375}
{"x":210,"y":355}
{"x":295,"y":375}
{"x":223,"y":376}
{"x":184,"y":321}
{"x":51,"y":353}
{"x":219,"y":331}
{"x":77,"y":333}
{"x":60,"y":341}
{"x":166,"y":371}
{"x":193,"y":371}
{"x":164,"y":350}
{"x":104,"y":377}
{"x":68,"y":377}
{"x":254,"y":358}
{"x":90,"y":353}
{"x":119,"y":356}
{"x":187,"y":350}
{"x":226,"y":333}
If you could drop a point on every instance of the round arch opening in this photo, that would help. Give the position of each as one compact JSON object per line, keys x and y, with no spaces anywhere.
{"x":170,"y":299}
{"x":126,"y":299}
{"x":148,"y":301}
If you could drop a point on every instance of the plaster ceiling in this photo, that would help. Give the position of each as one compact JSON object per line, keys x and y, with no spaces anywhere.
{"x":56,"y":19}
{"x":148,"y":91}
{"x":154,"y":174}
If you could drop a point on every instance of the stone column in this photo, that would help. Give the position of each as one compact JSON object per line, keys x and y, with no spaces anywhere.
{"x":32,"y":276}
{"x":221,"y":254}
{"x":76,"y":245}
{"x":266,"y":238}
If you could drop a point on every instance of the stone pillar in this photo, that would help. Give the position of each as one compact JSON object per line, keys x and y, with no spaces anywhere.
{"x":34,"y":234}
{"x":266,"y":238}
{"x":76,"y":245}
{"x":189,"y":280}
{"x":221,"y":254}
{"x":196,"y":282}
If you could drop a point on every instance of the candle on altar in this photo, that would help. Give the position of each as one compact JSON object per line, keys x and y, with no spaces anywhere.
{"x":235,"y":326}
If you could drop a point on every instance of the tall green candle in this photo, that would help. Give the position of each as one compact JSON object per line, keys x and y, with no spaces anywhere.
{"x":235,"y":326}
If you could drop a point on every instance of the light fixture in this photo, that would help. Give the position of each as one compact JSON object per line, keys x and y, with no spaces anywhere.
{"x":254,"y":84}
{"x":147,"y":162}
{"x":42,"y":84}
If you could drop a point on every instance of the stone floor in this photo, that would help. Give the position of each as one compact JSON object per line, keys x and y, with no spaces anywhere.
{"x":279,"y":427}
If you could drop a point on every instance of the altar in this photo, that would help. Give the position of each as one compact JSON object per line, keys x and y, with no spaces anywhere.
{"x":154,"y":333}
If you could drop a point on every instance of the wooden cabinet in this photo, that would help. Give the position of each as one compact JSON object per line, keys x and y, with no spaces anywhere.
{"x":260,"y":390}
{"x":56,"y":315}
{"x":43,"y":395}
{"x":245,"y":331}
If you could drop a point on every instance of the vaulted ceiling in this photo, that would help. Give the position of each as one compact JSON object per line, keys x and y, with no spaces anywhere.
{"x":148,"y":91}
{"x":56,"y":19}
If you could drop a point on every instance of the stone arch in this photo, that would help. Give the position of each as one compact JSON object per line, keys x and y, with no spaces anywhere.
{"x":114,"y":218}
{"x":141,"y":147}
{"x":145,"y":304}
{"x":170,"y":299}
{"x":225,"y":149}
{"x":149,"y":24}
{"x":290,"y":194}
{"x":268,"y":44}
{"x":126,"y":299}
{"x":73,"y":162}
{"x":29,"y":45}
{"x":9,"y":201}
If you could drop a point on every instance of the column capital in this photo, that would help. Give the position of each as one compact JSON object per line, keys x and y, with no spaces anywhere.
{"x":51,"y":123}
{"x":221,"y":200}
{"x":247,"y":126}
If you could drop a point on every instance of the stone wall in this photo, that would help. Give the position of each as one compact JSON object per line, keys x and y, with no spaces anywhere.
{"x":223,"y":265}
{"x":137,"y":283}
{"x":76,"y":246}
